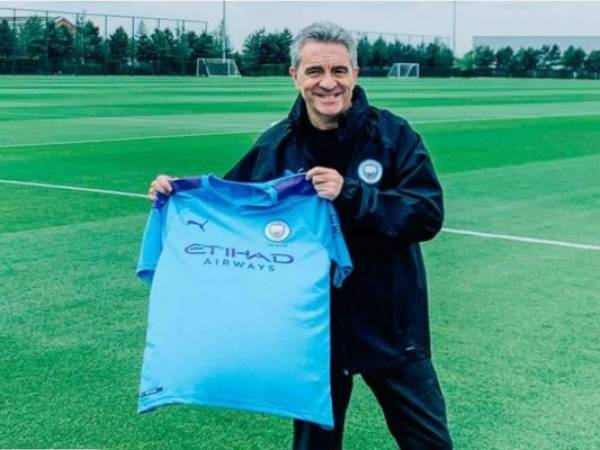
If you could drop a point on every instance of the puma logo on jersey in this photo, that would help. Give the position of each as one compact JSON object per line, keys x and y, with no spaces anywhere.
{"x":201,"y":225}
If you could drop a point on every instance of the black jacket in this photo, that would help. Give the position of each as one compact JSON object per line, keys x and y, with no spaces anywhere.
{"x":380,"y":315}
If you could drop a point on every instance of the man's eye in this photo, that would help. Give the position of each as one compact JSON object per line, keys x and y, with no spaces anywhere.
{"x":341,"y":71}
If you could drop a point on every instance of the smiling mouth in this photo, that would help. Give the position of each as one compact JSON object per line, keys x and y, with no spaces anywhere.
{"x":328,"y":96}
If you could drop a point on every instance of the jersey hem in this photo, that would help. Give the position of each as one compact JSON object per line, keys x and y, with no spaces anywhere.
{"x":167,"y":400}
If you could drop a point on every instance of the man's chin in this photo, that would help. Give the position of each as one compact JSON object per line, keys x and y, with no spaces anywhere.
{"x":330,"y":112}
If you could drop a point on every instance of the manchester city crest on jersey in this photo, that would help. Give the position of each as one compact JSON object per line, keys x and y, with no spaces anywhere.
{"x":277,"y":231}
{"x":370,"y":171}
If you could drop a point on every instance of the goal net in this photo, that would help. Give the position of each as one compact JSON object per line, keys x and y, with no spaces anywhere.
{"x":211,"y":67}
{"x":404,"y":70}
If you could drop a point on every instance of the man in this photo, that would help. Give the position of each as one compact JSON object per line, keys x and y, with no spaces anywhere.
{"x":377,"y":172}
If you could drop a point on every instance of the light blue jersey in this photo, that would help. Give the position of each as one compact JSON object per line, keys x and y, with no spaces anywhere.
{"x":240,"y":298}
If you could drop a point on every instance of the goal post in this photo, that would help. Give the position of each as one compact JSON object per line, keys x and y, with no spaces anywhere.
{"x":404,"y":70}
{"x":211,"y":67}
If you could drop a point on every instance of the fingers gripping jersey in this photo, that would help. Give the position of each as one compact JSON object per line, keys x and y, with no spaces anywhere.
{"x":240,"y":297}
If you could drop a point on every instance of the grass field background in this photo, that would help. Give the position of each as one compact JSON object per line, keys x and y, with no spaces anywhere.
{"x":515,"y":326}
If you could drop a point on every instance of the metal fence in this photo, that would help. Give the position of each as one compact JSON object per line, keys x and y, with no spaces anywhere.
{"x":36,"y":41}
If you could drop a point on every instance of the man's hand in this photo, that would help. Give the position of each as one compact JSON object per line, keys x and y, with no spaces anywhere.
{"x":160,"y":184}
{"x":327,"y":182}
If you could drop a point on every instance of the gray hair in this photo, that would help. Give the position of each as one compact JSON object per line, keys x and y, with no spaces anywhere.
{"x":322,"y":32}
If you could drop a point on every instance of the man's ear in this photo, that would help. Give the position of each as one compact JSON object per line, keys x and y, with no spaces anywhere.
{"x":355,"y":71}
{"x":294,"y":74}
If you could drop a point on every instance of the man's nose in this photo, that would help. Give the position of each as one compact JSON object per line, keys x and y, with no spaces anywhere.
{"x":327,"y":82}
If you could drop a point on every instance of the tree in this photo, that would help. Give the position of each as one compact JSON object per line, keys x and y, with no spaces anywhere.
{"x":60,"y":46}
{"x":445,"y":61}
{"x":483,"y":60}
{"x":32,"y":38}
{"x":182,"y":49}
{"x":400,"y":52}
{"x":397,"y":52}
{"x":270,"y":51}
{"x":261,"y":48}
{"x":573,"y":59}
{"x":284,"y":42}
{"x":363,"y":50}
{"x":466,"y":64}
{"x":251,"y":48}
{"x":202,"y":45}
{"x":118,"y":44}
{"x":145,"y":48}
{"x":504,"y":61}
{"x":419,"y":53}
{"x":92,"y":48}
{"x":7,"y":40}
{"x":429,"y":57}
{"x":550,"y":59}
{"x":592,"y":63}
{"x":437,"y":59}
{"x":165,"y":43}
{"x":526,"y":62}
{"x":219,"y":35}
{"x":379,"y":53}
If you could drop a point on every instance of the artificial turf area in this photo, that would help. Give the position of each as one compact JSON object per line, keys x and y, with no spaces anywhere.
{"x":515,"y":325}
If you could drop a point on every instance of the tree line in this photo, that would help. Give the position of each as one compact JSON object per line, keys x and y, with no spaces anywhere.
{"x":37,"y":46}
{"x":545,"y":62}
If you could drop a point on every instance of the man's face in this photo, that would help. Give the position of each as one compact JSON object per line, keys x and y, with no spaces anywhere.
{"x":325,"y":78}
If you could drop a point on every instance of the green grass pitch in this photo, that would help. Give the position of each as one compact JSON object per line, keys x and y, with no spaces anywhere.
{"x":515,"y":325}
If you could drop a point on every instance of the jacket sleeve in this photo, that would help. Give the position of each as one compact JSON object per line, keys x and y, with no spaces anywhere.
{"x":410,"y":211}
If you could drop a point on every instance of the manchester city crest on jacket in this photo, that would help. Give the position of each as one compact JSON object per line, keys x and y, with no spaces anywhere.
{"x":370,"y":171}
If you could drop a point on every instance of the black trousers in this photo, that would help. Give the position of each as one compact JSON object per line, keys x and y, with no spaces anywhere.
{"x":412,"y":404}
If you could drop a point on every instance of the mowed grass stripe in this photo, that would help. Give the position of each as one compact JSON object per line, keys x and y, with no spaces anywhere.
{"x":192,"y":101}
{"x":198,"y":109}
{"x":472,"y":84}
{"x":555,"y":199}
{"x":113,"y":128}
{"x":120,"y":166}
{"x":186,"y":106}
{"x":188,"y":96}
{"x":82,"y":97}
{"x":118,"y":128}
{"x":461,"y":147}
{"x":465,"y":146}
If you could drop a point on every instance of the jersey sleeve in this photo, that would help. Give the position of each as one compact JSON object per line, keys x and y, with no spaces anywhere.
{"x":152,"y":244}
{"x":333,"y":239}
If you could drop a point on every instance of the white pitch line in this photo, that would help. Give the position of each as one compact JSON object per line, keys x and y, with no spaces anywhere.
{"x":522,"y":239}
{"x":73,"y":188}
{"x":489,"y":119}
{"x":133,"y":138}
{"x":505,"y":237}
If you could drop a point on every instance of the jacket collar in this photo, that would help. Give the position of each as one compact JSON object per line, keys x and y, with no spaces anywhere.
{"x":351,"y":121}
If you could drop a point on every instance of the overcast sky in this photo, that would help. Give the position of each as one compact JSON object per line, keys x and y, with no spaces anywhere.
{"x":430,"y":18}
